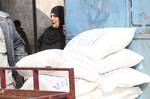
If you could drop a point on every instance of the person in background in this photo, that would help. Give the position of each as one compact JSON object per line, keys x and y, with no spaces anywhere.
{"x":12,"y":47}
{"x":23,"y":35}
{"x":54,"y":37}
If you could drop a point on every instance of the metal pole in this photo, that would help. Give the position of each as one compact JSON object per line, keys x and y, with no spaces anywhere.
{"x":34,"y":24}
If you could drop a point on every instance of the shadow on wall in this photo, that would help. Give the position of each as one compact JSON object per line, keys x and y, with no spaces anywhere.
{"x":43,"y":22}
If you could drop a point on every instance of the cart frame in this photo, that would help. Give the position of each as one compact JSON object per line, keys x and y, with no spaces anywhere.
{"x":53,"y":95}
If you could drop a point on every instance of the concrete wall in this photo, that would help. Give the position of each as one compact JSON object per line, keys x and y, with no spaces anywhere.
{"x":22,"y":10}
{"x":43,"y":11}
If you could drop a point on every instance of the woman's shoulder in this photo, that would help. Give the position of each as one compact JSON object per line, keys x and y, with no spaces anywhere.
{"x":48,"y":29}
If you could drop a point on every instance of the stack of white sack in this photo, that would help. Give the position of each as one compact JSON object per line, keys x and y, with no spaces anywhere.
{"x":104,"y":51}
{"x":101,"y":63}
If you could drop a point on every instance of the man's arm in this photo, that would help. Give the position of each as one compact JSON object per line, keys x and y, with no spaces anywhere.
{"x":18,"y":43}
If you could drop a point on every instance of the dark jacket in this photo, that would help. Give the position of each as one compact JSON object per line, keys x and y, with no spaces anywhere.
{"x":51,"y":39}
{"x":24,"y":37}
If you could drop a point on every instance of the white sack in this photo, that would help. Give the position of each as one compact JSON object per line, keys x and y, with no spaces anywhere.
{"x":87,"y":38}
{"x":118,"y":93}
{"x":108,"y":41}
{"x":54,"y":83}
{"x":83,"y":67}
{"x":121,"y":59}
{"x":124,"y":77}
{"x":123,"y":93}
{"x":54,"y":59}
{"x":50,"y":57}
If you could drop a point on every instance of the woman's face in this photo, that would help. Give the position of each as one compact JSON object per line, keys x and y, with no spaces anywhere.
{"x":55,"y":22}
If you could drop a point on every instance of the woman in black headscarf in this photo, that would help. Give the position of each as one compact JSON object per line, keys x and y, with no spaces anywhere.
{"x":53,"y":37}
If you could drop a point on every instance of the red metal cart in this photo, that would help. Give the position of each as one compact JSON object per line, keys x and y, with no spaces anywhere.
{"x":36,"y":93}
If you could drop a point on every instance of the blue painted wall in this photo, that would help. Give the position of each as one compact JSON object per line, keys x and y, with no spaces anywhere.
{"x":83,"y":15}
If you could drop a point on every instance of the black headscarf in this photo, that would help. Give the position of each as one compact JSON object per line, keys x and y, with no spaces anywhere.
{"x":53,"y":38}
{"x":59,"y":12}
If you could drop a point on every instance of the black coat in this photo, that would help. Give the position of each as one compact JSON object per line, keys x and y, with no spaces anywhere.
{"x":51,"y":39}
